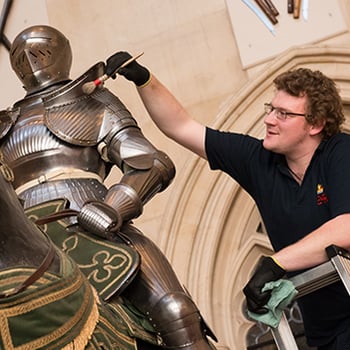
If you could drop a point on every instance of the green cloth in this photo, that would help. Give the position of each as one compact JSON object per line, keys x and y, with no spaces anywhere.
{"x":107,"y":265}
{"x":53,"y":312}
{"x":61,"y":311}
{"x":282,"y":293}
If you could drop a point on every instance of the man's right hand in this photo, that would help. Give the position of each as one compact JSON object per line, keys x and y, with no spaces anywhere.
{"x":133,"y":71}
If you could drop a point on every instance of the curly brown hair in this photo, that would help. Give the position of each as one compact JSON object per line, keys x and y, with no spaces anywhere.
{"x":323,"y":100}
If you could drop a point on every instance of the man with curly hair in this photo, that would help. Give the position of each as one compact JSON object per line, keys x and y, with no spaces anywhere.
{"x":302,"y":189}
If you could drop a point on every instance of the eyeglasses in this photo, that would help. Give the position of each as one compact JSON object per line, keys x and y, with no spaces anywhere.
{"x":280,"y":114}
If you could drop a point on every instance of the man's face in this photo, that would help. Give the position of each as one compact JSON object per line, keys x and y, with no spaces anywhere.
{"x":288,"y":134}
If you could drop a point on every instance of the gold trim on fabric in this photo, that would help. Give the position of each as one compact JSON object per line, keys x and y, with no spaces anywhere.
{"x":56,"y":290}
{"x":80,"y":342}
{"x":126,"y":338}
{"x":96,"y":257}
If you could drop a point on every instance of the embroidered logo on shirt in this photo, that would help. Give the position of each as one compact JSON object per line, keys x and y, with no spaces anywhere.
{"x":321,"y":196}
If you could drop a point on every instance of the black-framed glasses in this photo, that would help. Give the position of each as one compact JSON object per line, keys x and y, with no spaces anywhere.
{"x":280,"y":114}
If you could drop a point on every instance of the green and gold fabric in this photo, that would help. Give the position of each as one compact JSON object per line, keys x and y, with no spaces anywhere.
{"x":108,"y":266}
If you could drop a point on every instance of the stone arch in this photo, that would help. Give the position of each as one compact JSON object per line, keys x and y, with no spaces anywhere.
{"x":213,"y":226}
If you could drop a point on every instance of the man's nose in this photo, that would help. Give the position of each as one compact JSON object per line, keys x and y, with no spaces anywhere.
{"x":269,"y":118}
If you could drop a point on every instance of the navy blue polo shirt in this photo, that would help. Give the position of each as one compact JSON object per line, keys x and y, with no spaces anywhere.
{"x":290,"y":211}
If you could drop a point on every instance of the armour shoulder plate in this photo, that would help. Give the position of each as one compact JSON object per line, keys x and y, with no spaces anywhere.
{"x":77,"y":117}
{"x":8,"y":118}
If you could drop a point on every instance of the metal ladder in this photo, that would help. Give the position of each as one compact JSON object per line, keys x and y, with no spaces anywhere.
{"x":337,"y":268}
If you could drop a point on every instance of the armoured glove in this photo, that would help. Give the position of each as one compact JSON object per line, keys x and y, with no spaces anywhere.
{"x":267,"y":270}
{"x":133,"y":71}
{"x":99,"y":218}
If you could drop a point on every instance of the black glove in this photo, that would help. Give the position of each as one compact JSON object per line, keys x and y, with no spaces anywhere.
{"x":266,"y":271}
{"x":133,"y":71}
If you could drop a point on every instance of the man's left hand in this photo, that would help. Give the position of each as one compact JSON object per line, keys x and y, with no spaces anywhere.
{"x":267,"y":270}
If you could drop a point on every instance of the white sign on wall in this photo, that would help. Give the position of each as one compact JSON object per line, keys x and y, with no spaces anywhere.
{"x":256,"y":42}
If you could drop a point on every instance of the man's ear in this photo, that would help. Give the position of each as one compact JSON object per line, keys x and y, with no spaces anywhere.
{"x":317,"y":128}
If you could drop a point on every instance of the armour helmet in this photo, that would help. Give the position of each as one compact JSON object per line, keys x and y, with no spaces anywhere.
{"x":41,"y":56}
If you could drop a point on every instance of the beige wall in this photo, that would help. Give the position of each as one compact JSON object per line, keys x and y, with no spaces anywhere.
{"x":204,"y":223}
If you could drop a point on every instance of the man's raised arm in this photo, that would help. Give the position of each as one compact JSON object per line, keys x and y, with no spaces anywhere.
{"x":164,"y":109}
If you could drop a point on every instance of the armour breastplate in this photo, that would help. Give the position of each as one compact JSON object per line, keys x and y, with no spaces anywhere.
{"x":35,"y":154}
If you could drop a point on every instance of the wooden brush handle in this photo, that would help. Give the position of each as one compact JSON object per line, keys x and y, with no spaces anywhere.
{"x":296,"y":11}
{"x":272,"y":7}
{"x":267,"y":11}
{"x":132,"y":59}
